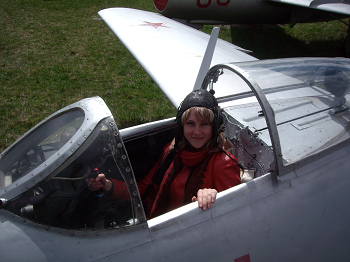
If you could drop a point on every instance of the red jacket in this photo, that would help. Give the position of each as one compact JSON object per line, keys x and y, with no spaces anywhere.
{"x":219,"y":172}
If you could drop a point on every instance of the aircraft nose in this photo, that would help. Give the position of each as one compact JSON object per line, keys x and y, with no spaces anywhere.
{"x":160,"y":4}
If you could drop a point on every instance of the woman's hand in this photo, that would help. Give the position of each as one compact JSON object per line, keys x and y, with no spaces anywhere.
{"x":205,"y":197}
{"x":99,"y":182}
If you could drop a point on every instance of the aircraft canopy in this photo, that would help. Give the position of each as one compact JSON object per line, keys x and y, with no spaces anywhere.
{"x":305,"y":102}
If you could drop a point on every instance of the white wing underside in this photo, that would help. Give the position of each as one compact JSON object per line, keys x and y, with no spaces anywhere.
{"x":170,"y":52}
{"x":334,"y":6}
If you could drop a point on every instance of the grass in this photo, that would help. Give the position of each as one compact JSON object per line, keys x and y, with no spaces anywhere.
{"x":318,"y":39}
{"x":53,"y":53}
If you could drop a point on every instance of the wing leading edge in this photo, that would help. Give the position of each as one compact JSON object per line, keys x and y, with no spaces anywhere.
{"x":170,"y":52}
{"x":334,"y":6}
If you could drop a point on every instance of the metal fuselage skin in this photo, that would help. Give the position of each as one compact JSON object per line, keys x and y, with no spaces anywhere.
{"x":239,"y":12}
{"x":263,"y":219}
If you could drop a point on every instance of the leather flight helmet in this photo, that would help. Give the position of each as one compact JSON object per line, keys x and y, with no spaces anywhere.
{"x":200,"y":98}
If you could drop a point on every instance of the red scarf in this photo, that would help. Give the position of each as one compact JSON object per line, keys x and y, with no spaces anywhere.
{"x":192,"y":158}
{"x":156,"y":202}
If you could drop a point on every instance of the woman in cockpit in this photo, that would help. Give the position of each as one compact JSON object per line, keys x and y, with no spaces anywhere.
{"x":194,"y":167}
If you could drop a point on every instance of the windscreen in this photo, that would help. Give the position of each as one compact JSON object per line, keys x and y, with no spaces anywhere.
{"x":39,"y":146}
{"x":64,"y":200}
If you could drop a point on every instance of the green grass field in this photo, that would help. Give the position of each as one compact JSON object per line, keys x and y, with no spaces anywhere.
{"x":53,"y":53}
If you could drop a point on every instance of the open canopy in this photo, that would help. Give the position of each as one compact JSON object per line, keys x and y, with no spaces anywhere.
{"x":298,"y":106}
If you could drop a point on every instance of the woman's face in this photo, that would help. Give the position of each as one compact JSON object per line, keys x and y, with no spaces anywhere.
{"x":197,"y":131}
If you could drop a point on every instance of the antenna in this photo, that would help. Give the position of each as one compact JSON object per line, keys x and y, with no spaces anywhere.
{"x":208,"y":55}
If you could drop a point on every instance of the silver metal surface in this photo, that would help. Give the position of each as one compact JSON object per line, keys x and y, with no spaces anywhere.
{"x":253,"y":11}
{"x":270,"y":115}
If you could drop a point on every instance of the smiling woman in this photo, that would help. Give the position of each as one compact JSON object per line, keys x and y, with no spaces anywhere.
{"x":193,"y":168}
{"x":197,"y":128}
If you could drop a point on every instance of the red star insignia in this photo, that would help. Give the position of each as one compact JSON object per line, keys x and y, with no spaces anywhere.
{"x":155,"y":25}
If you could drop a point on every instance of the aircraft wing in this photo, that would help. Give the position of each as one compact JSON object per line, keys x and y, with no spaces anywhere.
{"x":336,"y":6}
{"x":170,"y":52}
